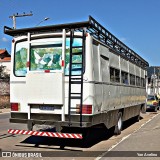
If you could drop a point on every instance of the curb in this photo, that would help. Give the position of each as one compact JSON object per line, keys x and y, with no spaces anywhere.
{"x":5,"y":110}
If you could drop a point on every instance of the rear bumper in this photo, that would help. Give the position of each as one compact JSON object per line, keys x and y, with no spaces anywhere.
{"x":50,"y":119}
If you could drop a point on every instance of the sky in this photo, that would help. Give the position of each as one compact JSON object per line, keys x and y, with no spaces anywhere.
{"x":135,"y":22}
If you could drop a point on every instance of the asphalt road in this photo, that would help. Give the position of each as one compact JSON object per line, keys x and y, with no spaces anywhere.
{"x":134,"y":137}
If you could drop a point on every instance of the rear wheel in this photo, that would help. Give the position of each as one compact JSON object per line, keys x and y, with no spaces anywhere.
{"x":118,"y":126}
{"x":138,"y":117}
{"x":30,"y":125}
{"x":143,"y":108}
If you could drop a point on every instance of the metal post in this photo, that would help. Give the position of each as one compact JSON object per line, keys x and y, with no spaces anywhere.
{"x":14,"y":22}
{"x":63,"y":71}
{"x":29,"y":111}
{"x":28,"y":53}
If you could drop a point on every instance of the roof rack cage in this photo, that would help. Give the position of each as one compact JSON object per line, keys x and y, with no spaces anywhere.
{"x":92,"y":27}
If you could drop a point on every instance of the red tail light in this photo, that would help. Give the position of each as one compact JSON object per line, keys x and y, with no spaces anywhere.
{"x":14,"y":107}
{"x":155,"y":103}
{"x":62,"y":63}
{"x":28,"y":64}
{"x":86,"y":109}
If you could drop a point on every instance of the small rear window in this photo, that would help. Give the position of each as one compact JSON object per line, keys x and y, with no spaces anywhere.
{"x":20,"y":59}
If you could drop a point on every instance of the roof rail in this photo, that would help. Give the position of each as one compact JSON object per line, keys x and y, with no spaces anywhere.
{"x":92,"y":27}
{"x":102,"y":34}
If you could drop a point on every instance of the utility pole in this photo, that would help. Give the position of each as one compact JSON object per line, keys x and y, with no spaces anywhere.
{"x":19,"y":15}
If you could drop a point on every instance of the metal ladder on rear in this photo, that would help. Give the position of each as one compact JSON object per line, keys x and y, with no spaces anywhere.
{"x":76,"y":79}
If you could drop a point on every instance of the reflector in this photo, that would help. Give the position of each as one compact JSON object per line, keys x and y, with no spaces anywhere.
{"x":14,"y":106}
{"x":86,"y":109}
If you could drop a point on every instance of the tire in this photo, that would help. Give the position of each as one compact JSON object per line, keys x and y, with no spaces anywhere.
{"x":156,"y":108}
{"x":138,"y":117}
{"x":30,"y":125}
{"x":143,"y":109}
{"x":118,"y":126}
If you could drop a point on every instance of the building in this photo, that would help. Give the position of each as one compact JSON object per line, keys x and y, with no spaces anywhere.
{"x":5,"y":60}
{"x":153,"y":80}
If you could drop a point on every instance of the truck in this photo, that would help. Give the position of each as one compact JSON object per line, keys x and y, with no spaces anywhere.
{"x":73,"y":76}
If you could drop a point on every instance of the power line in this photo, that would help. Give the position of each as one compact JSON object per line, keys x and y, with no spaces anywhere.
{"x":14,"y":16}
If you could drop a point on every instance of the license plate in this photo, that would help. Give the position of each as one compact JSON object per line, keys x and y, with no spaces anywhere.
{"x":46,"y":108}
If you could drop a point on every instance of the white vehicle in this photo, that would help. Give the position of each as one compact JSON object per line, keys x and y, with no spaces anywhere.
{"x":74,"y":76}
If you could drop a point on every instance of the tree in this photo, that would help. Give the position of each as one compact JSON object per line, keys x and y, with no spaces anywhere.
{"x":3,"y":74}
